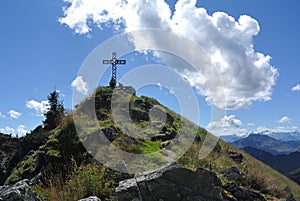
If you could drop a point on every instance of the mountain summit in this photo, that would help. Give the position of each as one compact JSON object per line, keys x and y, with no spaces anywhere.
{"x":61,"y":168}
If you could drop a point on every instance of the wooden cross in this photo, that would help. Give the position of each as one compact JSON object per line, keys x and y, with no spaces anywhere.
{"x":114,"y":61}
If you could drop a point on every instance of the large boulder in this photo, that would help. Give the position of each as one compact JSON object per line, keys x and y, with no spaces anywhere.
{"x":172,"y":182}
{"x":20,"y":191}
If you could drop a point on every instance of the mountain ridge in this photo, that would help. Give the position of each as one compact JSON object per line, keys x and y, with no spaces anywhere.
{"x":284,"y":136}
{"x":284,"y":163}
{"x":268,"y":144}
{"x":62,"y":163}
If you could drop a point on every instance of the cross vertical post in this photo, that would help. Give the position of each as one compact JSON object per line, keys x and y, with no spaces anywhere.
{"x":114,"y":61}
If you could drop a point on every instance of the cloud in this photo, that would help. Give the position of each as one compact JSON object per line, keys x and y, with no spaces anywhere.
{"x":296,"y":88}
{"x":278,"y":129}
{"x":247,"y":75}
{"x":226,"y":121}
{"x":8,"y":130}
{"x":285,"y":119}
{"x":81,"y":12}
{"x":14,"y":114}
{"x":79,"y":85}
{"x":228,"y":125}
{"x":40,"y":107}
{"x":21,"y":130}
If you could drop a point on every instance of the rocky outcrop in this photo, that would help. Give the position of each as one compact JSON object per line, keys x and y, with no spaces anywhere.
{"x":232,"y":174}
{"x":237,"y":157}
{"x":172,"y":182}
{"x":91,"y":198}
{"x":20,"y":191}
{"x":243,"y":194}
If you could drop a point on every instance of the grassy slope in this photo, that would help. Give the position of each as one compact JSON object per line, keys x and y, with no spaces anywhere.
{"x":295,"y":175}
{"x":258,"y":176}
{"x":219,"y":160}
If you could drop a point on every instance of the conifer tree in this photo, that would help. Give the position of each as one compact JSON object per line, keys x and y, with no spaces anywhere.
{"x":55,"y":113}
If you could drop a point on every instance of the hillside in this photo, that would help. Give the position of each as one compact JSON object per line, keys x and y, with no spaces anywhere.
{"x":295,"y":175}
{"x":284,"y":163}
{"x":13,"y":150}
{"x":268,"y":144}
{"x":7,"y":150}
{"x":62,"y":168}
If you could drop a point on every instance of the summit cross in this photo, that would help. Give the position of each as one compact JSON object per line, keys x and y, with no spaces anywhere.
{"x":114,"y":61}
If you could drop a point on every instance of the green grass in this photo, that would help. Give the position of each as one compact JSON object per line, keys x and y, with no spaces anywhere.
{"x":85,"y":181}
{"x":150,"y":146}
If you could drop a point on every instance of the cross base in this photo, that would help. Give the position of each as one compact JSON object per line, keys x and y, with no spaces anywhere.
{"x":113,"y":83}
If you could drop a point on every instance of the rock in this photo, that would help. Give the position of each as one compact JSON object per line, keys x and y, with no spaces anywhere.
{"x":164,"y":136}
{"x":91,"y":198}
{"x":289,"y":194}
{"x":110,"y":133}
{"x":158,"y":113}
{"x":172,"y":182}
{"x":139,"y":115}
{"x":232,"y":174}
{"x":121,"y":166}
{"x":20,"y":191}
{"x":127,"y":89}
{"x":237,"y":157}
{"x":243,"y":194}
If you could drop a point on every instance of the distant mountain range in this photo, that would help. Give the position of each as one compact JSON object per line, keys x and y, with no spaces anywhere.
{"x":281,"y":151}
{"x":284,"y":136}
{"x":231,"y":138}
{"x":284,"y":163}
{"x":268,"y":144}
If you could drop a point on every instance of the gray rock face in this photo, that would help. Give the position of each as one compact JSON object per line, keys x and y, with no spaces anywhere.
{"x":20,"y":191}
{"x":172,"y":182}
{"x":237,"y":157}
{"x":91,"y":198}
{"x":243,"y":194}
{"x":232,"y":174}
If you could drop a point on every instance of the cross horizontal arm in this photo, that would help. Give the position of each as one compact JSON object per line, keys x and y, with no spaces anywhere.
{"x":121,"y":61}
{"x":107,"y":61}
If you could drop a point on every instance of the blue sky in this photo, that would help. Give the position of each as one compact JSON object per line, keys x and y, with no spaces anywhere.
{"x":43,"y":48}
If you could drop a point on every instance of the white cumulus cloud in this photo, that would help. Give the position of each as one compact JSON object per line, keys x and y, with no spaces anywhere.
{"x":228,"y":125}
{"x":40,"y":107}
{"x":285,"y":119}
{"x":80,"y":85}
{"x":21,"y":130}
{"x":247,"y":74}
{"x":14,"y":114}
{"x":296,"y":88}
{"x":7,"y":130}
